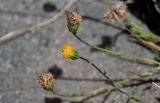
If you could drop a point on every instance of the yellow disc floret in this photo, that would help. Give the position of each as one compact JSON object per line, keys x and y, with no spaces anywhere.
{"x":67,"y":51}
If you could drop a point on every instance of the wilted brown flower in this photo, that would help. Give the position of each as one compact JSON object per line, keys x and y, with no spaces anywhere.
{"x":46,"y":81}
{"x":73,"y":20}
{"x":116,"y":12}
{"x":73,"y":17}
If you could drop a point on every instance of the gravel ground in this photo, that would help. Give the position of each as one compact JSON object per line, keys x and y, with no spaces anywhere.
{"x":24,"y":58}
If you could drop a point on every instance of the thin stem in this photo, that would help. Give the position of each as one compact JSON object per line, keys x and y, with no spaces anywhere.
{"x":127,"y":56}
{"x":150,"y":44}
{"x":105,"y":75}
{"x":106,"y":88}
{"x":137,"y":77}
{"x":100,"y":71}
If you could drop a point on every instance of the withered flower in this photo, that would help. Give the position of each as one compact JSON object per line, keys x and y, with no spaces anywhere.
{"x":73,"y":20}
{"x":73,"y":17}
{"x":116,"y":12}
{"x":46,"y":81}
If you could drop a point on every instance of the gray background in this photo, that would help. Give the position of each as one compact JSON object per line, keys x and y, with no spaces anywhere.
{"x":23,"y":59}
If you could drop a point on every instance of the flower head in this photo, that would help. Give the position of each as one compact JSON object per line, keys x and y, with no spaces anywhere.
{"x":68,"y":52}
{"x":73,"y":17}
{"x":116,"y":12}
{"x":73,"y":20}
{"x":46,"y":81}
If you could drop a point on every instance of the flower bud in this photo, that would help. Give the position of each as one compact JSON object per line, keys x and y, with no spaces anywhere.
{"x":46,"y":81}
{"x":73,"y":20}
{"x":68,"y":52}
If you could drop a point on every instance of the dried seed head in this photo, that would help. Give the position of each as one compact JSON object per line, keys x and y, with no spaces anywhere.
{"x":73,"y":20}
{"x":73,"y":17}
{"x":116,"y":12}
{"x":46,"y":81}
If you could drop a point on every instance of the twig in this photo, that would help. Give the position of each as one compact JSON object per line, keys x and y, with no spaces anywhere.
{"x":156,"y":84}
{"x":19,"y":32}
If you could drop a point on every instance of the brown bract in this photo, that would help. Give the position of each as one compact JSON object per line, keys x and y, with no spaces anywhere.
{"x":73,"y":17}
{"x":116,"y":12}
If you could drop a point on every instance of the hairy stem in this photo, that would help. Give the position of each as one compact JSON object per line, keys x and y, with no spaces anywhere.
{"x":115,"y":53}
{"x":108,"y":88}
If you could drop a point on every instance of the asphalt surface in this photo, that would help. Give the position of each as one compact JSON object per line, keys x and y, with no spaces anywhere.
{"x":23,"y":59}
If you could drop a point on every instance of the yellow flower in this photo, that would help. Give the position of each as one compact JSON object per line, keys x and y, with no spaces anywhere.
{"x":68,"y":52}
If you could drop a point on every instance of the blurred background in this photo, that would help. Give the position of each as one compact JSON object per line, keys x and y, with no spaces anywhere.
{"x":23,"y":59}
